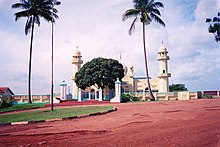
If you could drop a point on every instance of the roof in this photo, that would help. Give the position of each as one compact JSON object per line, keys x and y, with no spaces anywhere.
{"x":139,"y":78}
{"x":2,"y":92}
{"x":163,"y":49}
{"x":77,"y":53}
{"x":4,"y":89}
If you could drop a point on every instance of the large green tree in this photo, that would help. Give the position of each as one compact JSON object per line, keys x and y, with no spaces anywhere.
{"x":214,"y":26}
{"x":146,"y":11}
{"x":33,"y":10}
{"x":177,"y":87}
{"x":101,"y":72}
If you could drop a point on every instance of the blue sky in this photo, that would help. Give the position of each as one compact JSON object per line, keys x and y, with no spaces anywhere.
{"x":96,"y":27}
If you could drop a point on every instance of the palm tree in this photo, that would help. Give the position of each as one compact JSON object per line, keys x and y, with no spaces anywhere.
{"x":33,"y":10}
{"x":53,"y":2}
{"x":146,"y":11}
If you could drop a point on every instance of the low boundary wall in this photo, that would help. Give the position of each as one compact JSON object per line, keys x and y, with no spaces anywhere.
{"x":213,"y":93}
{"x":186,"y":95}
{"x":35,"y":98}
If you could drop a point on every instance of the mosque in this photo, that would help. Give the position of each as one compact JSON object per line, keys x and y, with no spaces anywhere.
{"x":129,"y":82}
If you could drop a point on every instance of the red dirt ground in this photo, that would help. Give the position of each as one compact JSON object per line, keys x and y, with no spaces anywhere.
{"x":173,"y":123}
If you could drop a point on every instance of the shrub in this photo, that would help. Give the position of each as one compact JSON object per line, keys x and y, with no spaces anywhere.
{"x":3,"y":104}
{"x":208,"y":96}
{"x":126,"y":97}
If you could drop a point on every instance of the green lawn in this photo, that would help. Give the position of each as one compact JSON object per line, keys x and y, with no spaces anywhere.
{"x":22,"y":107}
{"x":57,"y":113}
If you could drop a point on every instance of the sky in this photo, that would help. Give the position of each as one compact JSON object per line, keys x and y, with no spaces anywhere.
{"x":98,"y":31}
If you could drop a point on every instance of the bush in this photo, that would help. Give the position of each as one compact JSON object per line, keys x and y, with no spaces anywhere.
{"x":208,"y":96}
{"x":3,"y":104}
{"x":127,"y":97}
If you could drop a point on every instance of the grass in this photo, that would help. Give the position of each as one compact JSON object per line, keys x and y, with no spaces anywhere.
{"x":57,"y":113}
{"x":22,"y":107}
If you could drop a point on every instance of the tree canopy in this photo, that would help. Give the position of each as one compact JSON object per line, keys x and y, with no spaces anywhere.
{"x":101,"y":72}
{"x":177,"y":87}
{"x":144,"y":10}
{"x":214,"y":26}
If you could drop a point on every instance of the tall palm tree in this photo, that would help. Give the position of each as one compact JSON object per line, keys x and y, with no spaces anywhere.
{"x":53,"y":2}
{"x":146,"y":11}
{"x":33,"y":10}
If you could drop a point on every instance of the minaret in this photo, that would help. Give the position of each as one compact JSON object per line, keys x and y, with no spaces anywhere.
{"x":77,"y":62}
{"x":163,"y":77}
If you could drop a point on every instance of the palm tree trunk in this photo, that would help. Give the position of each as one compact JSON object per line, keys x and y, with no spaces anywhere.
{"x":146,"y":66}
{"x":52,"y":86}
{"x":29,"y":76}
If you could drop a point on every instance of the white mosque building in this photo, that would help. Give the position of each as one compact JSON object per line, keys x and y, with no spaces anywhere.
{"x":129,"y":82}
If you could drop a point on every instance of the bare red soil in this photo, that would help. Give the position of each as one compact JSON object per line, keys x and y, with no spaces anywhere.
{"x":172,"y":123}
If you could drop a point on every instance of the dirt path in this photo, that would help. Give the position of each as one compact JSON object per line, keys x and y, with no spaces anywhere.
{"x":176,"y":123}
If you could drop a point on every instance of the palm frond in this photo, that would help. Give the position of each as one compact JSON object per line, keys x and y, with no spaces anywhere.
{"x":47,"y":15}
{"x":132,"y":27}
{"x":158,"y":5}
{"x":130,"y":13}
{"x":55,"y":10}
{"x":28,"y":25}
{"x":24,"y":13}
{"x":37,"y":8}
{"x":156,"y":11}
{"x":37,"y":20}
{"x":157,"y":19}
{"x":20,"y":6}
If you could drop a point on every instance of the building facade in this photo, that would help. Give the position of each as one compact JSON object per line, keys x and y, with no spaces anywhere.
{"x":129,"y":82}
{"x":139,"y":84}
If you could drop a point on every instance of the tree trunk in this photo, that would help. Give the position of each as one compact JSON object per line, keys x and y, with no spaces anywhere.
{"x":146,"y":66}
{"x":52,"y":67}
{"x":29,"y":76}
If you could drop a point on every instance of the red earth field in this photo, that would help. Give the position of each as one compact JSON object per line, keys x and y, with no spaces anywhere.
{"x":167,"y":124}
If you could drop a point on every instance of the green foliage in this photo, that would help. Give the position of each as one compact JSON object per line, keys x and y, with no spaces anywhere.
{"x":214,"y":27}
{"x":100,"y":71}
{"x":127,"y":97}
{"x":57,"y":113}
{"x":22,"y":107}
{"x":3,"y":104}
{"x":144,"y":10}
{"x":33,"y":10}
{"x":177,"y":87}
{"x":208,"y":96}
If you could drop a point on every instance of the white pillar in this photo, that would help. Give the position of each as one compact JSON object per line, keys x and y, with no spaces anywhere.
{"x":143,"y":98}
{"x":95,"y":95}
{"x":100,"y":94}
{"x":80,"y":95}
{"x":89,"y":95}
{"x":117,"y":97}
{"x":63,"y":89}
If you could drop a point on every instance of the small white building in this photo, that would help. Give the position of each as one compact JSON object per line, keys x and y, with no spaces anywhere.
{"x":6,"y":94}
